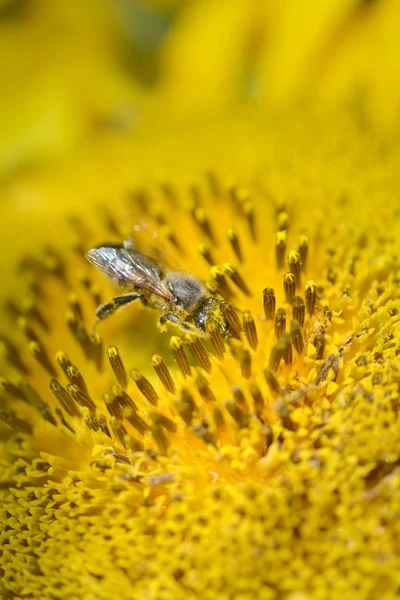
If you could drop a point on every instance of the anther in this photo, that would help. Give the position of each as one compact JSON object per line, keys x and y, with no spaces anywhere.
{"x":204,"y":389}
{"x":280,"y":248}
{"x":218,"y":276}
{"x":303,"y":250}
{"x":145,"y":387}
{"x":296,"y":336}
{"x":245,"y":363}
{"x":237,"y":279}
{"x":269,"y":303}
{"x":319,"y":344}
{"x":180,"y":357}
{"x":282,"y":221}
{"x":76,"y":378}
{"x":235,"y":243}
{"x":62,"y":419}
{"x":248,"y":208}
{"x":64,"y":398}
{"x":135,"y":420}
{"x":46,"y":413}
{"x":250,"y":330}
{"x":311,"y":296}
{"x":198,"y":352}
{"x":282,"y":349}
{"x":76,"y":307}
{"x":164,"y":422}
{"x":242,"y":419}
{"x":163,"y":373}
{"x":257,"y":398}
{"x":27,"y":330}
{"x":160,"y":437}
{"x":217,"y":339}
{"x":231,"y":318}
{"x":186,"y":406}
{"x":289,"y":286}
{"x":122,"y":397}
{"x":218,"y":418}
{"x":239,"y":398}
{"x":280,"y":323}
{"x":214,"y":184}
{"x":12,"y":389}
{"x":294,"y":263}
{"x":272,"y":381}
{"x":299,"y":310}
{"x":80,"y":397}
{"x":206,"y":254}
{"x":39,"y":353}
{"x":118,"y":430}
{"x":117,"y":365}
{"x":200,"y":217}
{"x":16,"y":423}
{"x":103,"y":425}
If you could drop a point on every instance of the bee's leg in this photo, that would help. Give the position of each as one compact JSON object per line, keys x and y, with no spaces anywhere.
{"x":105,"y":310}
{"x":174,"y":319}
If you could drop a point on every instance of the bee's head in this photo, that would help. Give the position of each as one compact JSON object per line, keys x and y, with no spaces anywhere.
{"x":187,"y":290}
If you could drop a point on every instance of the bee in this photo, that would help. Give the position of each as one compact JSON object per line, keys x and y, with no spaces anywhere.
{"x":181,"y":297}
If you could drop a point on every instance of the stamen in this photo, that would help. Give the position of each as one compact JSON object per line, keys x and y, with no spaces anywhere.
{"x":241,"y":418}
{"x":12,"y":354}
{"x":204,"y":389}
{"x":103,"y":425}
{"x":218,"y":418}
{"x":186,"y":406}
{"x":303,"y":250}
{"x":118,"y":430}
{"x":217,"y":339}
{"x":162,"y":421}
{"x":46,"y":413}
{"x":248,"y":208}
{"x":16,"y":423}
{"x":280,"y":248}
{"x":280,"y":323}
{"x":299,"y":310}
{"x":269,"y":303}
{"x":239,"y":397}
{"x":122,"y":397}
{"x":163,"y":374}
{"x":80,"y":397}
{"x":39,"y":353}
{"x":202,"y":221}
{"x":272,"y":381}
{"x":27,"y":330}
{"x":64,"y":398}
{"x":206,"y":254}
{"x":61,"y":417}
{"x":250,"y":330}
{"x":76,"y":378}
{"x":237,"y":279}
{"x":235,"y":243}
{"x":289,"y":286}
{"x":218,"y":276}
{"x":214,"y":184}
{"x":202,"y":432}
{"x":76,"y":307}
{"x":282,"y":221}
{"x":180,"y":357}
{"x":231,"y":318}
{"x":281,"y":350}
{"x":198,"y":352}
{"x":245,"y":363}
{"x":257,"y":398}
{"x":160,"y":437}
{"x":295,"y":264}
{"x":296,"y":336}
{"x":135,"y":420}
{"x":113,"y":406}
{"x":269,"y":436}
{"x":12,"y":389}
{"x":117,"y":366}
{"x":311,"y":296}
{"x":145,"y":387}
{"x":319,"y":344}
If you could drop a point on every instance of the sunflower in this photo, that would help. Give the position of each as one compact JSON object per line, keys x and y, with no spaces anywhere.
{"x":148,"y":461}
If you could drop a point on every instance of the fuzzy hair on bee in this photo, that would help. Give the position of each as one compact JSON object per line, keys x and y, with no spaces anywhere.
{"x":180,"y":297}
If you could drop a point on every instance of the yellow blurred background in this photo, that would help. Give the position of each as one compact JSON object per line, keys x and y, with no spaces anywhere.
{"x":80,"y":78}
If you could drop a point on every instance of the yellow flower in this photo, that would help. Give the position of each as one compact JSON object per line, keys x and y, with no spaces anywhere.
{"x":147,"y":464}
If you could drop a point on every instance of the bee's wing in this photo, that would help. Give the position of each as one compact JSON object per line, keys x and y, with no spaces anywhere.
{"x":129,"y":267}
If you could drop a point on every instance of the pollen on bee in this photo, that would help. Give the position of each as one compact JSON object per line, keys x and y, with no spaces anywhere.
{"x":198,"y":352}
{"x":180,"y":357}
{"x":289,"y":286}
{"x":280,"y":248}
{"x":237,"y":279}
{"x":311,"y":296}
{"x":117,"y":366}
{"x":235,"y":243}
{"x":163,"y":373}
{"x":296,"y":336}
{"x":299,"y":310}
{"x":280,"y":322}
{"x":145,"y":387}
{"x":269,"y":303}
{"x":250,"y":330}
